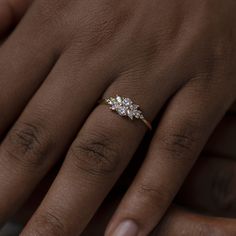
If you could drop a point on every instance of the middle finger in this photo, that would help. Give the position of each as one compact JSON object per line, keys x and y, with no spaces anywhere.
{"x":44,"y":130}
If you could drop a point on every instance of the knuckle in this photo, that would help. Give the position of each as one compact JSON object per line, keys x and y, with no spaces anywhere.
{"x":27,"y":143}
{"x":98,"y":31}
{"x":48,"y":21}
{"x":95,"y":154}
{"x":157,"y":194}
{"x":49,"y":224}
{"x":179,"y":144}
{"x":102,"y":31}
{"x":48,"y":10}
{"x":147,"y":188}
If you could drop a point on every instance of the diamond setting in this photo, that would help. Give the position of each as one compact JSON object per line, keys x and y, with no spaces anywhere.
{"x":125,"y":107}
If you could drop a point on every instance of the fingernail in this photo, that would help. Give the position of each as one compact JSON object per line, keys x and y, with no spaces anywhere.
{"x":126,"y":228}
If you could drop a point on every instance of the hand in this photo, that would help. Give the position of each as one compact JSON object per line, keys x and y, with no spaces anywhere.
{"x":208,"y":193}
{"x":63,"y":57}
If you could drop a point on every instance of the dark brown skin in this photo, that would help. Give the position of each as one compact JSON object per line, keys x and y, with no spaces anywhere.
{"x":11,"y":11}
{"x":63,"y":57}
{"x":206,"y":205}
{"x":208,"y":193}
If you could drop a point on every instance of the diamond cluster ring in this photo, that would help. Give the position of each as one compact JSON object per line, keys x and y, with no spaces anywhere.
{"x":125,"y":107}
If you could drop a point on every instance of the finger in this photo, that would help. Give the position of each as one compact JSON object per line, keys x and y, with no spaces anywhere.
{"x":179,"y":222}
{"x":215,"y":178}
{"x":180,"y":137}
{"x":26,"y":58}
{"x":43,"y":132}
{"x":214,"y":174}
{"x":101,"y":151}
{"x":10,"y":13}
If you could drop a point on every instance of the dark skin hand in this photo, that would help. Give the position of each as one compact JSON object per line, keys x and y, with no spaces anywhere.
{"x":63,"y":57}
{"x":205,"y":206}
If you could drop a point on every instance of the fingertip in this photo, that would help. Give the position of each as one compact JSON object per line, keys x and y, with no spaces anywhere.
{"x":126,"y":228}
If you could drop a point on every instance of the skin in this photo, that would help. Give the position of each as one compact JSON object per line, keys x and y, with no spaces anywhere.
{"x":206,"y":204}
{"x":11,"y":11}
{"x":164,"y":51}
{"x":211,"y":211}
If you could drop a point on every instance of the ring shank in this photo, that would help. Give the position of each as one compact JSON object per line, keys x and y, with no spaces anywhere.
{"x":147,"y":123}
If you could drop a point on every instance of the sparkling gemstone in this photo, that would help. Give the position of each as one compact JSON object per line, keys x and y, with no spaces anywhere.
{"x":127,"y":102}
{"x":130,"y":114}
{"x":121,"y":111}
{"x":125,"y":107}
{"x":136,"y":114}
{"x":113,"y":100}
{"x":118,"y":99}
{"x":109,"y":101}
{"x":135,"y":106}
{"x":113,"y":108}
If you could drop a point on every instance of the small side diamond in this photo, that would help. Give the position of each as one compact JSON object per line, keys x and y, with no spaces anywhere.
{"x":119,"y":99}
{"x":130,"y":114}
{"x":137,"y":114}
{"x":127,"y":102}
{"x":134,"y":106}
{"x":113,"y":108}
{"x":121,"y":111}
{"x":108,"y":101}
